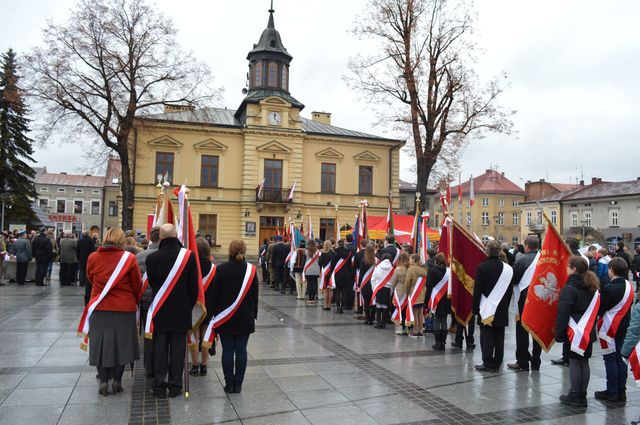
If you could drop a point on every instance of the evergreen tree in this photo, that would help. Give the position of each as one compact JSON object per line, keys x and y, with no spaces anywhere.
{"x":16,"y":176}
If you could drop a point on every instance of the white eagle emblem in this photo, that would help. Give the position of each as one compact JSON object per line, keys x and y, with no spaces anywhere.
{"x":548,"y":289}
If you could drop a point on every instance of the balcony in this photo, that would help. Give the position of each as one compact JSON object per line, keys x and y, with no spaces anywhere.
{"x":273,"y":195}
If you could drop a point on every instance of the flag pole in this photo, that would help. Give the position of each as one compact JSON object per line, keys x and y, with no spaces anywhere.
{"x":337,"y":226}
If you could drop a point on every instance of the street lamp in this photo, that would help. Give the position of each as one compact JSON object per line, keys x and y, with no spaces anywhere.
{"x":583,"y":222}
{"x":4,"y":197}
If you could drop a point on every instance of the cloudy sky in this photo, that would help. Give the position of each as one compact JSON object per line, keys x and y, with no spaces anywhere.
{"x":572,"y":66}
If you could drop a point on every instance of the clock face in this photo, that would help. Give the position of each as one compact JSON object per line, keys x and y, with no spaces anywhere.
{"x":274,"y":118}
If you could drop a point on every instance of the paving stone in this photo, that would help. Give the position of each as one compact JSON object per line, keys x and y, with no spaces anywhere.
{"x":38,"y":397}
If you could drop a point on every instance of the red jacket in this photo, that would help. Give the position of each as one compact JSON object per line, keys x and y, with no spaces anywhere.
{"x":124,"y":296}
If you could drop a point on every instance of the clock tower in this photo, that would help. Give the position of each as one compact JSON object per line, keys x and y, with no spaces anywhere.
{"x":268,"y":101}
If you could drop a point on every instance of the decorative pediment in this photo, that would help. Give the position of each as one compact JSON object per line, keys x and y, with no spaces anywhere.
{"x":210,"y":145}
{"x":366,"y":156}
{"x":274,"y":100}
{"x":165,"y":142}
{"x":330,"y":153}
{"x":274,"y":147}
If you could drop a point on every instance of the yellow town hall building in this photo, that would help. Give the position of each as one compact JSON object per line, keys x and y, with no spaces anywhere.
{"x":224,"y":155}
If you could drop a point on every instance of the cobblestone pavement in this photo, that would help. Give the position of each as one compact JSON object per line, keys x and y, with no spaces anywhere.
{"x":306,"y":366}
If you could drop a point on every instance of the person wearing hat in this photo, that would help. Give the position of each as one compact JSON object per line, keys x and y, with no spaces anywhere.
{"x":43,"y":253}
{"x":22,"y":248}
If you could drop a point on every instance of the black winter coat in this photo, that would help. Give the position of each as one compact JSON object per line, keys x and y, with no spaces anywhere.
{"x":622,"y":254}
{"x":278,"y":254}
{"x":344,"y":276}
{"x":574,"y":301}
{"x":42,"y":249}
{"x":175,"y":313}
{"x":519,"y":268}
{"x":610,"y":295}
{"x":487,"y":276}
{"x":435,"y":274}
{"x":86,"y":246}
{"x":390,"y":249}
{"x":224,"y":291}
{"x":635,"y":267}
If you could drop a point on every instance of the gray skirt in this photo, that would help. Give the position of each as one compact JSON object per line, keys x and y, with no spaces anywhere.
{"x":113,"y":338}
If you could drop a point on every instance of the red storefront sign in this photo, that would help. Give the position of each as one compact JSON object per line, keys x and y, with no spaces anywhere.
{"x":63,"y":218}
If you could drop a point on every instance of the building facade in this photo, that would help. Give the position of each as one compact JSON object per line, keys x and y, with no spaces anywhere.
{"x":71,"y":202}
{"x":407,"y":203}
{"x":111,"y":205}
{"x":496,"y":210}
{"x":252,"y":169}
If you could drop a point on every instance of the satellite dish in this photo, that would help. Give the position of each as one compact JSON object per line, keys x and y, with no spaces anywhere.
{"x":245,"y":91}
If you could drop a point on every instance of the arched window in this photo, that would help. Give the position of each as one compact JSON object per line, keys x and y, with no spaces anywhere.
{"x":257,"y":74}
{"x":285,"y":77}
{"x":272,"y":76}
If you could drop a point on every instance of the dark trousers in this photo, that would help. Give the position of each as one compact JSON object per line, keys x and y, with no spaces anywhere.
{"x":67,"y":273}
{"x":82,"y":274}
{"x":106,"y":373}
{"x":21,"y":271}
{"x":41,"y":272}
{"x":87,"y":292}
{"x":492,"y":345}
{"x":280,"y":277}
{"x":265,"y":274}
{"x":340,"y":296}
{"x":523,"y":357}
{"x":566,"y":349}
{"x":234,"y":347}
{"x":616,"y":369}
{"x":168,"y":356}
{"x":579,"y":374}
{"x":312,"y":287}
{"x":471,"y":329}
{"x":148,"y":346}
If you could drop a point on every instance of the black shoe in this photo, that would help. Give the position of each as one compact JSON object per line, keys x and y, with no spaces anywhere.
{"x":237,"y":389}
{"x":470,"y":346}
{"x":560,"y":362}
{"x":203,"y":370}
{"x":104,"y":389}
{"x":456,"y":344}
{"x":572,"y":399}
{"x":175,"y":392}
{"x":160,"y":393}
{"x":116,"y":387}
{"x":195,"y":370}
{"x":535,"y":367}
{"x":229,"y":389}
{"x":607,"y":396}
{"x":483,"y":368}
{"x":622,"y":395}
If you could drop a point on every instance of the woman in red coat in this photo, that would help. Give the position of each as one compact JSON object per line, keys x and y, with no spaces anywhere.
{"x":113,"y":339}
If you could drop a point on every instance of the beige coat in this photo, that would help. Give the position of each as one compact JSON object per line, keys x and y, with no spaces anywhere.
{"x":414,"y":272}
{"x":398,"y":279}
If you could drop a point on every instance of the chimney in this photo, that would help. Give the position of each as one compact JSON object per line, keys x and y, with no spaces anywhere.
{"x":63,"y":173}
{"x":541,"y":180}
{"x":503,"y":174}
{"x":178,"y":108}
{"x":581,"y":183}
{"x":596,"y":180}
{"x":321,"y":117}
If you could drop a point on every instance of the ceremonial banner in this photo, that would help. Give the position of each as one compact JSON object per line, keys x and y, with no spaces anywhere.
{"x":541,"y":308}
{"x":466,"y":254}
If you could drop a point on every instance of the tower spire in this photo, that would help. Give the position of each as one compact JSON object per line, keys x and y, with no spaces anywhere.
{"x":271,"y":24}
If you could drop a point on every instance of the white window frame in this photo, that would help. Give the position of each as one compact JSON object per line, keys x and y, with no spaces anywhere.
{"x":91,"y":206}
{"x":515,"y":203}
{"x":501,"y":202}
{"x":40,"y":201}
{"x":573,"y":217}
{"x":79,"y":190}
{"x":614,"y":217}
{"x":65,"y":205}
{"x":95,"y":192}
{"x":500,"y":218}
{"x":485,"y":218}
{"x":587,"y":216}
{"x":516,"y":219}
{"x":485,"y":202}
{"x":529,"y":218}
{"x":74,"y":206}
{"x":44,"y":189}
{"x":554,"y":216}
{"x":514,"y":240}
{"x":62,"y":190}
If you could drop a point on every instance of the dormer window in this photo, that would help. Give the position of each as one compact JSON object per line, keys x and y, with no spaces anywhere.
{"x":257,"y":74}
{"x":272,"y":76}
{"x":285,"y":78}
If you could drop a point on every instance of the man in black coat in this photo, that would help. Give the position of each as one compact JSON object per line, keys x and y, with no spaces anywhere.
{"x":389,"y":247}
{"x":43,"y":253}
{"x":615,"y":367}
{"x":523,"y":357}
{"x":278,"y":256}
{"x":343,"y":275}
{"x":351,"y":247}
{"x":173,"y":319}
{"x":86,"y":246}
{"x":491,"y":335}
{"x":620,"y":252}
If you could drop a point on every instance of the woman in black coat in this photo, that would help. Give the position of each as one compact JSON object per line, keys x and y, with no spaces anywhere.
{"x":206,"y":266}
{"x":368,"y":262}
{"x":234,"y":333}
{"x":343,"y":276}
{"x":436,"y":272}
{"x":326,"y":261}
{"x":575,"y":298}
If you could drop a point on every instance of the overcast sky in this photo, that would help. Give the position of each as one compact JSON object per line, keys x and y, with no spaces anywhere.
{"x":573,"y":68}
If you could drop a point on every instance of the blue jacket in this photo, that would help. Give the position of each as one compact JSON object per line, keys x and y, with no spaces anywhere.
{"x":603,"y":269}
{"x":633,"y":332}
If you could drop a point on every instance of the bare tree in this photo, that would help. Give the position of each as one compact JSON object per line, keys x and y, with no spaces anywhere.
{"x":109,"y":62}
{"x":424,"y":80}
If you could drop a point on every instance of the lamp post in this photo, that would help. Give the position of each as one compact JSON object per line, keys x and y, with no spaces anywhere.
{"x":583,"y":222}
{"x":4,"y":197}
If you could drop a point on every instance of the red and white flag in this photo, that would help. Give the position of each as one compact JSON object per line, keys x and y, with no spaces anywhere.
{"x":472,"y":194}
{"x":291,"y":192}
{"x":261,"y":189}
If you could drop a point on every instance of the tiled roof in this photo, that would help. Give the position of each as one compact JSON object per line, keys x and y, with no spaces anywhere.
{"x":562,"y":187}
{"x":608,"y":190}
{"x":114,"y":170}
{"x":70,"y":180}
{"x":555,"y":197}
{"x":225,"y":117}
{"x":491,"y":182}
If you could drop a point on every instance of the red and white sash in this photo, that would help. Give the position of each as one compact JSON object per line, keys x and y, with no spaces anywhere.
{"x":634,"y":363}
{"x":489,"y":305}
{"x":400,"y":304}
{"x":145,"y":282}
{"x":579,"y":333}
{"x":121,"y":269}
{"x":610,"y":321}
{"x":165,"y":290}
{"x":356,"y":279}
{"x":227,"y":313}
{"x":394,"y":263}
{"x":339,"y":265}
{"x":524,"y":284}
{"x":308,"y":263}
{"x":324,"y":276}
{"x":439,"y":291}
{"x":417,"y":288}
{"x":366,"y":278}
{"x":382,"y":277}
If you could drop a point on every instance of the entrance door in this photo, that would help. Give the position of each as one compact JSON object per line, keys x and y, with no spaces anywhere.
{"x":268,"y":226}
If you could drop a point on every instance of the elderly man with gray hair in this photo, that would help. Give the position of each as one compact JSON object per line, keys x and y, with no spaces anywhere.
{"x":68,"y":259}
{"x":522,"y":276}
{"x":491,"y":296}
